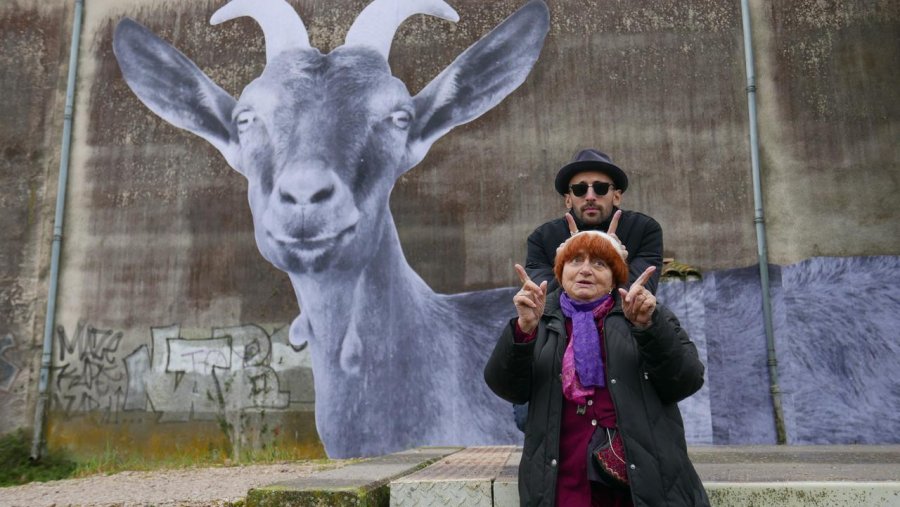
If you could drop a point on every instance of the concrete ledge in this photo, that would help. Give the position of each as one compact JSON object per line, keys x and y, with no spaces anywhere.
{"x":465,"y":478}
{"x":734,"y":476}
{"x":506,"y":485}
{"x":804,"y":494}
{"x":815,"y":463}
{"x":363,"y":484}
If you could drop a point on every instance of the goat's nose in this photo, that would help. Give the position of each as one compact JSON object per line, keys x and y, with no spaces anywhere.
{"x":322,"y":195}
{"x":298,"y":196}
{"x":306,"y":189}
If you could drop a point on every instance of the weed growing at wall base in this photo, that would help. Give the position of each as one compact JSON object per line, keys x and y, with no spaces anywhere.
{"x":16,"y":466}
{"x":113,"y":460}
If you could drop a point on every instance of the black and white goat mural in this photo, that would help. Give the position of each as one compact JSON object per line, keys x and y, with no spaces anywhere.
{"x":321,"y":139}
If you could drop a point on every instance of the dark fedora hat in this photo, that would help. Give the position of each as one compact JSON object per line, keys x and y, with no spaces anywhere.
{"x":590,"y":159}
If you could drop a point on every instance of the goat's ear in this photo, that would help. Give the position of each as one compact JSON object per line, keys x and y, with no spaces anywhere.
{"x":174,"y":88}
{"x":480,"y":77}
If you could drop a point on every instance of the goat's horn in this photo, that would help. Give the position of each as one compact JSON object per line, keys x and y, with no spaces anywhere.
{"x":280,"y":23}
{"x":376,"y":24}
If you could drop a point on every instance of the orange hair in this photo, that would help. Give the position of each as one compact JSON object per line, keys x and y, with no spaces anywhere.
{"x":595,"y":245}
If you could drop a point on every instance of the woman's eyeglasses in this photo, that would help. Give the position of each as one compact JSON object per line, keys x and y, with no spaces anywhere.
{"x":600,"y":188}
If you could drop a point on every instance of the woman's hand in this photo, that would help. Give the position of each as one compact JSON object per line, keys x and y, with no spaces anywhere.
{"x":638,"y":303}
{"x":529,"y":301}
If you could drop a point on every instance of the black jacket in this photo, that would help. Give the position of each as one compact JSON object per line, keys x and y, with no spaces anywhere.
{"x":641,"y":235}
{"x":648,"y":372}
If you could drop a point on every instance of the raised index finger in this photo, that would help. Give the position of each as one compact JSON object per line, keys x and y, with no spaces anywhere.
{"x":614,"y":223}
{"x":638,"y":284}
{"x":641,"y":280}
{"x":523,"y":276}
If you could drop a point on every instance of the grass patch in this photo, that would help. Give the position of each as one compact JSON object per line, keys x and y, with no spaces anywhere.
{"x":113,"y":460}
{"x":17,"y":468}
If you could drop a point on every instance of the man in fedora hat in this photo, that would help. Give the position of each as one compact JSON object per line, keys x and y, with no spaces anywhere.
{"x":592,"y":187}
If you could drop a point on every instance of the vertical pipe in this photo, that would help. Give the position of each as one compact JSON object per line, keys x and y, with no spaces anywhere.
{"x":759,"y":220}
{"x":49,"y":321}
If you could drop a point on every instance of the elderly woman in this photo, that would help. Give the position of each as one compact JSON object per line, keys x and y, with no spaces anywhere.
{"x":602,"y":370}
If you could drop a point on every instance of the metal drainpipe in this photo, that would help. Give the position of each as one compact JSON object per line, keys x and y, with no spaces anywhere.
{"x":759,"y":220}
{"x":49,"y":321}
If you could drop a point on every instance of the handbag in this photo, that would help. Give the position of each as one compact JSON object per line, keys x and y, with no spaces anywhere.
{"x":606,"y":459}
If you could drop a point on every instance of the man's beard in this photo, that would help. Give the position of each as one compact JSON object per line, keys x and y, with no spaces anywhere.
{"x":598,"y":219}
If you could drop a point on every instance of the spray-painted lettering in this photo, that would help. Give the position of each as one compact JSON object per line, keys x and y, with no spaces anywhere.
{"x":234,"y":369}
{"x":8,"y":370}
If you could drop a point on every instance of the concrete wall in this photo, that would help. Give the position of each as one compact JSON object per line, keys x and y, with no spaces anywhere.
{"x":158,"y":250}
{"x":829,"y":114}
{"x":35,"y":39}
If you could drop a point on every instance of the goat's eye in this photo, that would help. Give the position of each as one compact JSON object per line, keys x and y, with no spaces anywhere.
{"x":244,"y":120}
{"x":401,"y":119}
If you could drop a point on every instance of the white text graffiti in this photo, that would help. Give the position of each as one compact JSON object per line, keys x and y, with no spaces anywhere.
{"x":234,"y":369}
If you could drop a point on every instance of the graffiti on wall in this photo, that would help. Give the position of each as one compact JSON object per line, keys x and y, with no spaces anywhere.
{"x":229,"y":371}
{"x":88,"y":375}
{"x":8,"y":369}
{"x":321,"y":139}
{"x":234,"y":369}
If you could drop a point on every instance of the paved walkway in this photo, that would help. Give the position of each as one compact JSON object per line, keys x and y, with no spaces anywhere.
{"x":744,"y":476}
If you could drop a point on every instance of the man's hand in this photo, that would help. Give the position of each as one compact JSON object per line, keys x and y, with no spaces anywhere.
{"x":529,"y":301}
{"x":638,"y":303}
{"x":613,"y":226}
{"x":573,"y":230}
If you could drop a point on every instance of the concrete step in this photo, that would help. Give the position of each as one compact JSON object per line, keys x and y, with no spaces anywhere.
{"x":800,"y":476}
{"x":734,"y":476}
{"x":362,"y":484}
{"x":467,"y":478}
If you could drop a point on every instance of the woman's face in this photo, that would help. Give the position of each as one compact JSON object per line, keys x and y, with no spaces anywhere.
{"x":586,"y":279}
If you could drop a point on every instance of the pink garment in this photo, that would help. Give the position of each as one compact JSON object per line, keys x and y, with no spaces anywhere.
{"x":592,"y":359}
{"x":572,"y":388}
{"x":585,"y":338}
{"x":572,"y":486}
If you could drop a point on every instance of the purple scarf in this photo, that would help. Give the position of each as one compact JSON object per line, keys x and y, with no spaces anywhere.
{"x":586,"y":338}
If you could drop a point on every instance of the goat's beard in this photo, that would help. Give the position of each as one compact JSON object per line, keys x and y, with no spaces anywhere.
{"x":298,"y":260}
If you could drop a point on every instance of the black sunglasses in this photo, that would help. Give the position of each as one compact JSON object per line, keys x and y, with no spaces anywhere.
{"x":600,"y":188}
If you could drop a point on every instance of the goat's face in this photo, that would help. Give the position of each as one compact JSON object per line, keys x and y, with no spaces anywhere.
{"x":322,"y":139}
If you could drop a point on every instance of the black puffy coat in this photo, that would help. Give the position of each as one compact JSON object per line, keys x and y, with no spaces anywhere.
{"x":648,"y":372}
